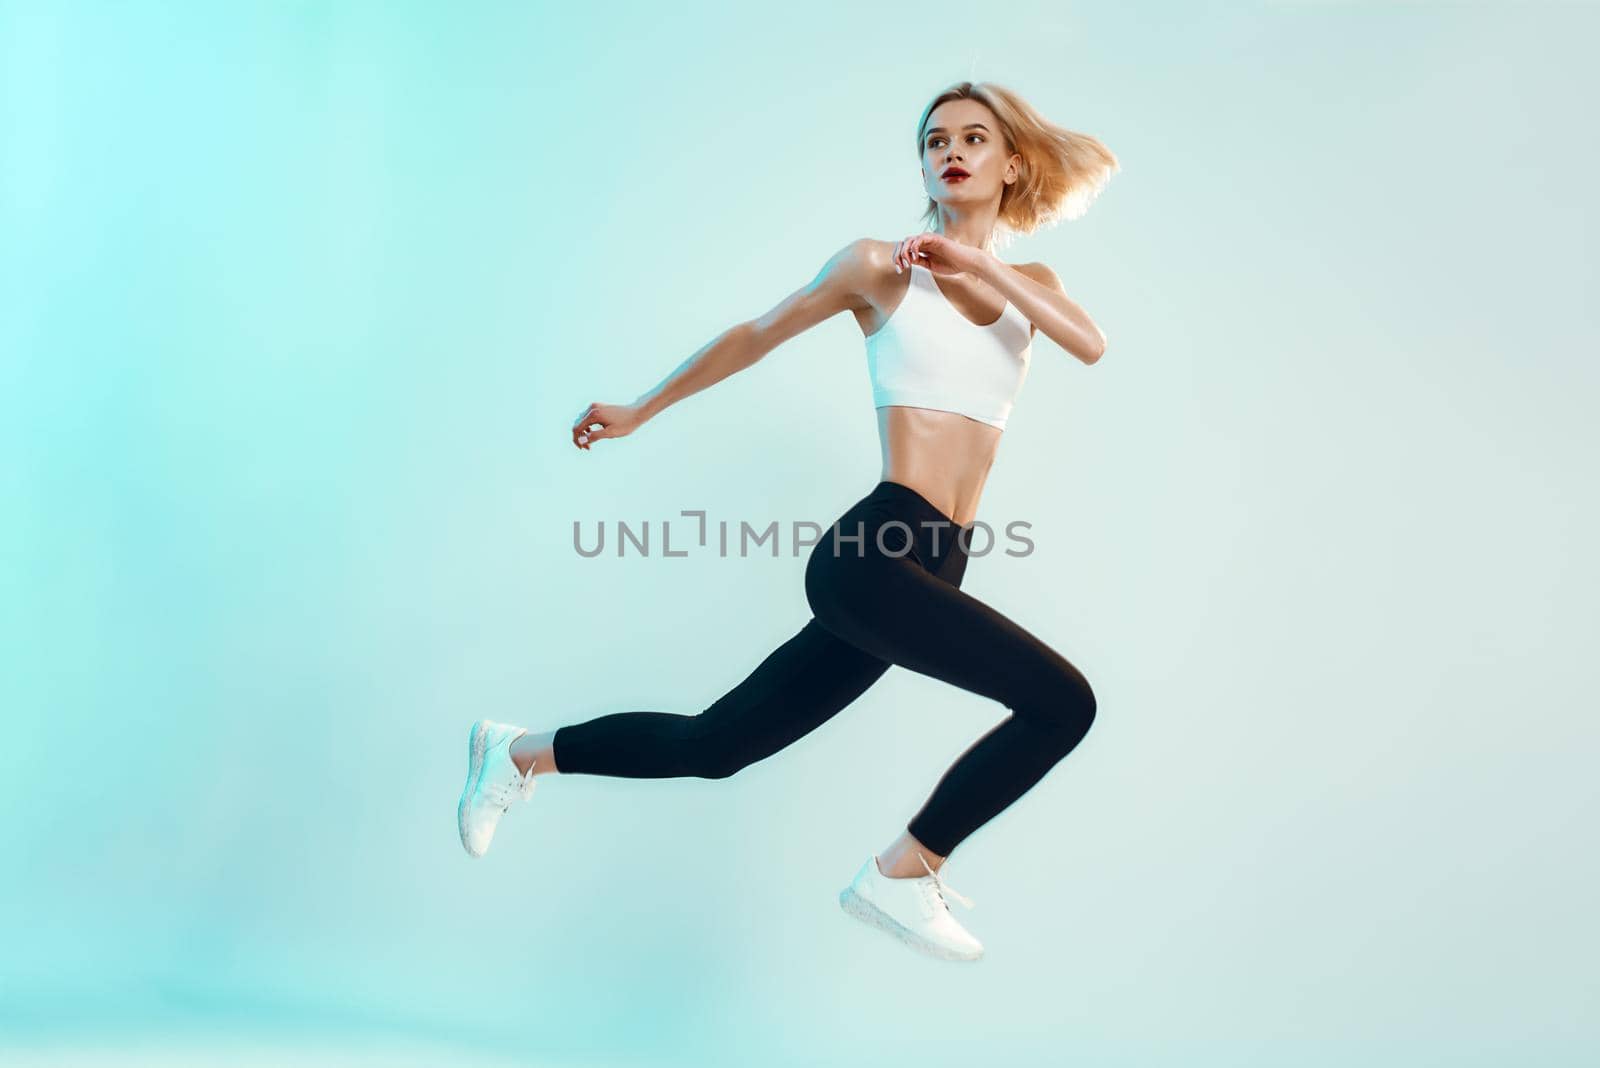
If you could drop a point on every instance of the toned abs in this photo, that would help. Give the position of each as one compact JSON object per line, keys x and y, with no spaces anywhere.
{"x":942,"y":455}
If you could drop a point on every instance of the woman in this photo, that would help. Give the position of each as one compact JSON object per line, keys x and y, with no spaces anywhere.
{"x":948,"y":330}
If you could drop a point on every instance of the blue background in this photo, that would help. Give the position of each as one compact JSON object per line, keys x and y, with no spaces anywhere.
{"x":300,"y":300}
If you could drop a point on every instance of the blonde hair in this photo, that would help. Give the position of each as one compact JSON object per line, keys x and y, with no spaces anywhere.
{"x":1062,"y":171}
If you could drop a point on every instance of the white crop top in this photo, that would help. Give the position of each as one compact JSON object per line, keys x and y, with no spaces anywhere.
{"x":928,"y":355}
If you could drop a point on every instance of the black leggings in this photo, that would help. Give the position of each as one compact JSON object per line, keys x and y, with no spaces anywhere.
{"x":884,"y":598}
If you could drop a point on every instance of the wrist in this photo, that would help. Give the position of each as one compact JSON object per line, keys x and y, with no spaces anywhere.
{"x":989,"y":266}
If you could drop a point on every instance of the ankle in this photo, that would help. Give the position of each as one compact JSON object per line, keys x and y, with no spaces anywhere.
{"x":523,"y":755}
{"x":902,"y":862}
{"x":534,"y":751}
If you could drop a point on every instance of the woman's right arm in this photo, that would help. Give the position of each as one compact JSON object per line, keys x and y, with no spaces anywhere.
{"x":840,"y":285}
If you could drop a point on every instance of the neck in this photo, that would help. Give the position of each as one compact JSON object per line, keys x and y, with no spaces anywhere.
{"x":973,"y":227}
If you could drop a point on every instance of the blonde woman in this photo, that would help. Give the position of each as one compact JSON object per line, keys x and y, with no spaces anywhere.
{"x":948,"y":329}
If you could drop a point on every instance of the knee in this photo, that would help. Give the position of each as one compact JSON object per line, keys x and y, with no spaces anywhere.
{"x":714,"y":758}
{"x":719,"y":766}
{"x":1073,"y":708}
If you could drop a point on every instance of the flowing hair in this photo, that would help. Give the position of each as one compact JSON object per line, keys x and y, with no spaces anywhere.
{"x":1062,"y":170}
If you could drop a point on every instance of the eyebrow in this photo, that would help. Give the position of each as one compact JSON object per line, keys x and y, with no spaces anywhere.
{"x":968,"y":126}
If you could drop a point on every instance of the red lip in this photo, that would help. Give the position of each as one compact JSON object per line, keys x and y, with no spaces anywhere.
{"x":954,"y":172}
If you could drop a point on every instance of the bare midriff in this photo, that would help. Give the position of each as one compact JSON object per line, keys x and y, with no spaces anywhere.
{"x":942,"y":455}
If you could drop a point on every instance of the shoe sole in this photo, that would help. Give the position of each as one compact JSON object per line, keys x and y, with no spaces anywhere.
{"x":477,"y":746}
{"x":862,"y":909}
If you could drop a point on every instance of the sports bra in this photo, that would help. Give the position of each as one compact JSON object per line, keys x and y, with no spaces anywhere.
{"x":928,"y":355}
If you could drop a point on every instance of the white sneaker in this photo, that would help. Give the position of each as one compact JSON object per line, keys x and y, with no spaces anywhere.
{"x":493,"y":783}
{"x":913,"y":910}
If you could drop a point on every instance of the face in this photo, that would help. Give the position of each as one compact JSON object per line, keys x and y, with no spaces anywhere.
{"x":965,"y":135}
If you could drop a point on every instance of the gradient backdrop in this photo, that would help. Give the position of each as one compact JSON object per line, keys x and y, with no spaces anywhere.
{"x":298,"y":302}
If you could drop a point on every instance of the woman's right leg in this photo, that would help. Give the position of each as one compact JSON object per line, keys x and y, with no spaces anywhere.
{"x":907,"y":608}
{"x":798,"y":687}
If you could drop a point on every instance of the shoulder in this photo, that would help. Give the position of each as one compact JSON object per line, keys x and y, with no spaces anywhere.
{"x":860,"y":269}
{"x":859,"y":260}
{"x":871,"y":255}
{"x":1042,"y":274}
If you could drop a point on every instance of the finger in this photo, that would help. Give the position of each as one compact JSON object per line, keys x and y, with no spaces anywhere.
{"x":895,"y":259}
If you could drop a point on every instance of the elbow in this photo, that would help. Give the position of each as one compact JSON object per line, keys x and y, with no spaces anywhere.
{"x":751,"y":340}
{"x":1093,"y":354}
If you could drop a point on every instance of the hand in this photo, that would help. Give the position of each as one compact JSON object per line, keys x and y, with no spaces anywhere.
{"x":939,"y":254}
{"x":613,"y":421}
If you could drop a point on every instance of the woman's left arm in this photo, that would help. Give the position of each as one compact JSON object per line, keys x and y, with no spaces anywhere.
{"x":1046,"y":305}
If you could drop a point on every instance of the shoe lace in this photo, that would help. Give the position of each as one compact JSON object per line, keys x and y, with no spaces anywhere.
{"x":503,"y":793}
{"x":940,"y":887}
